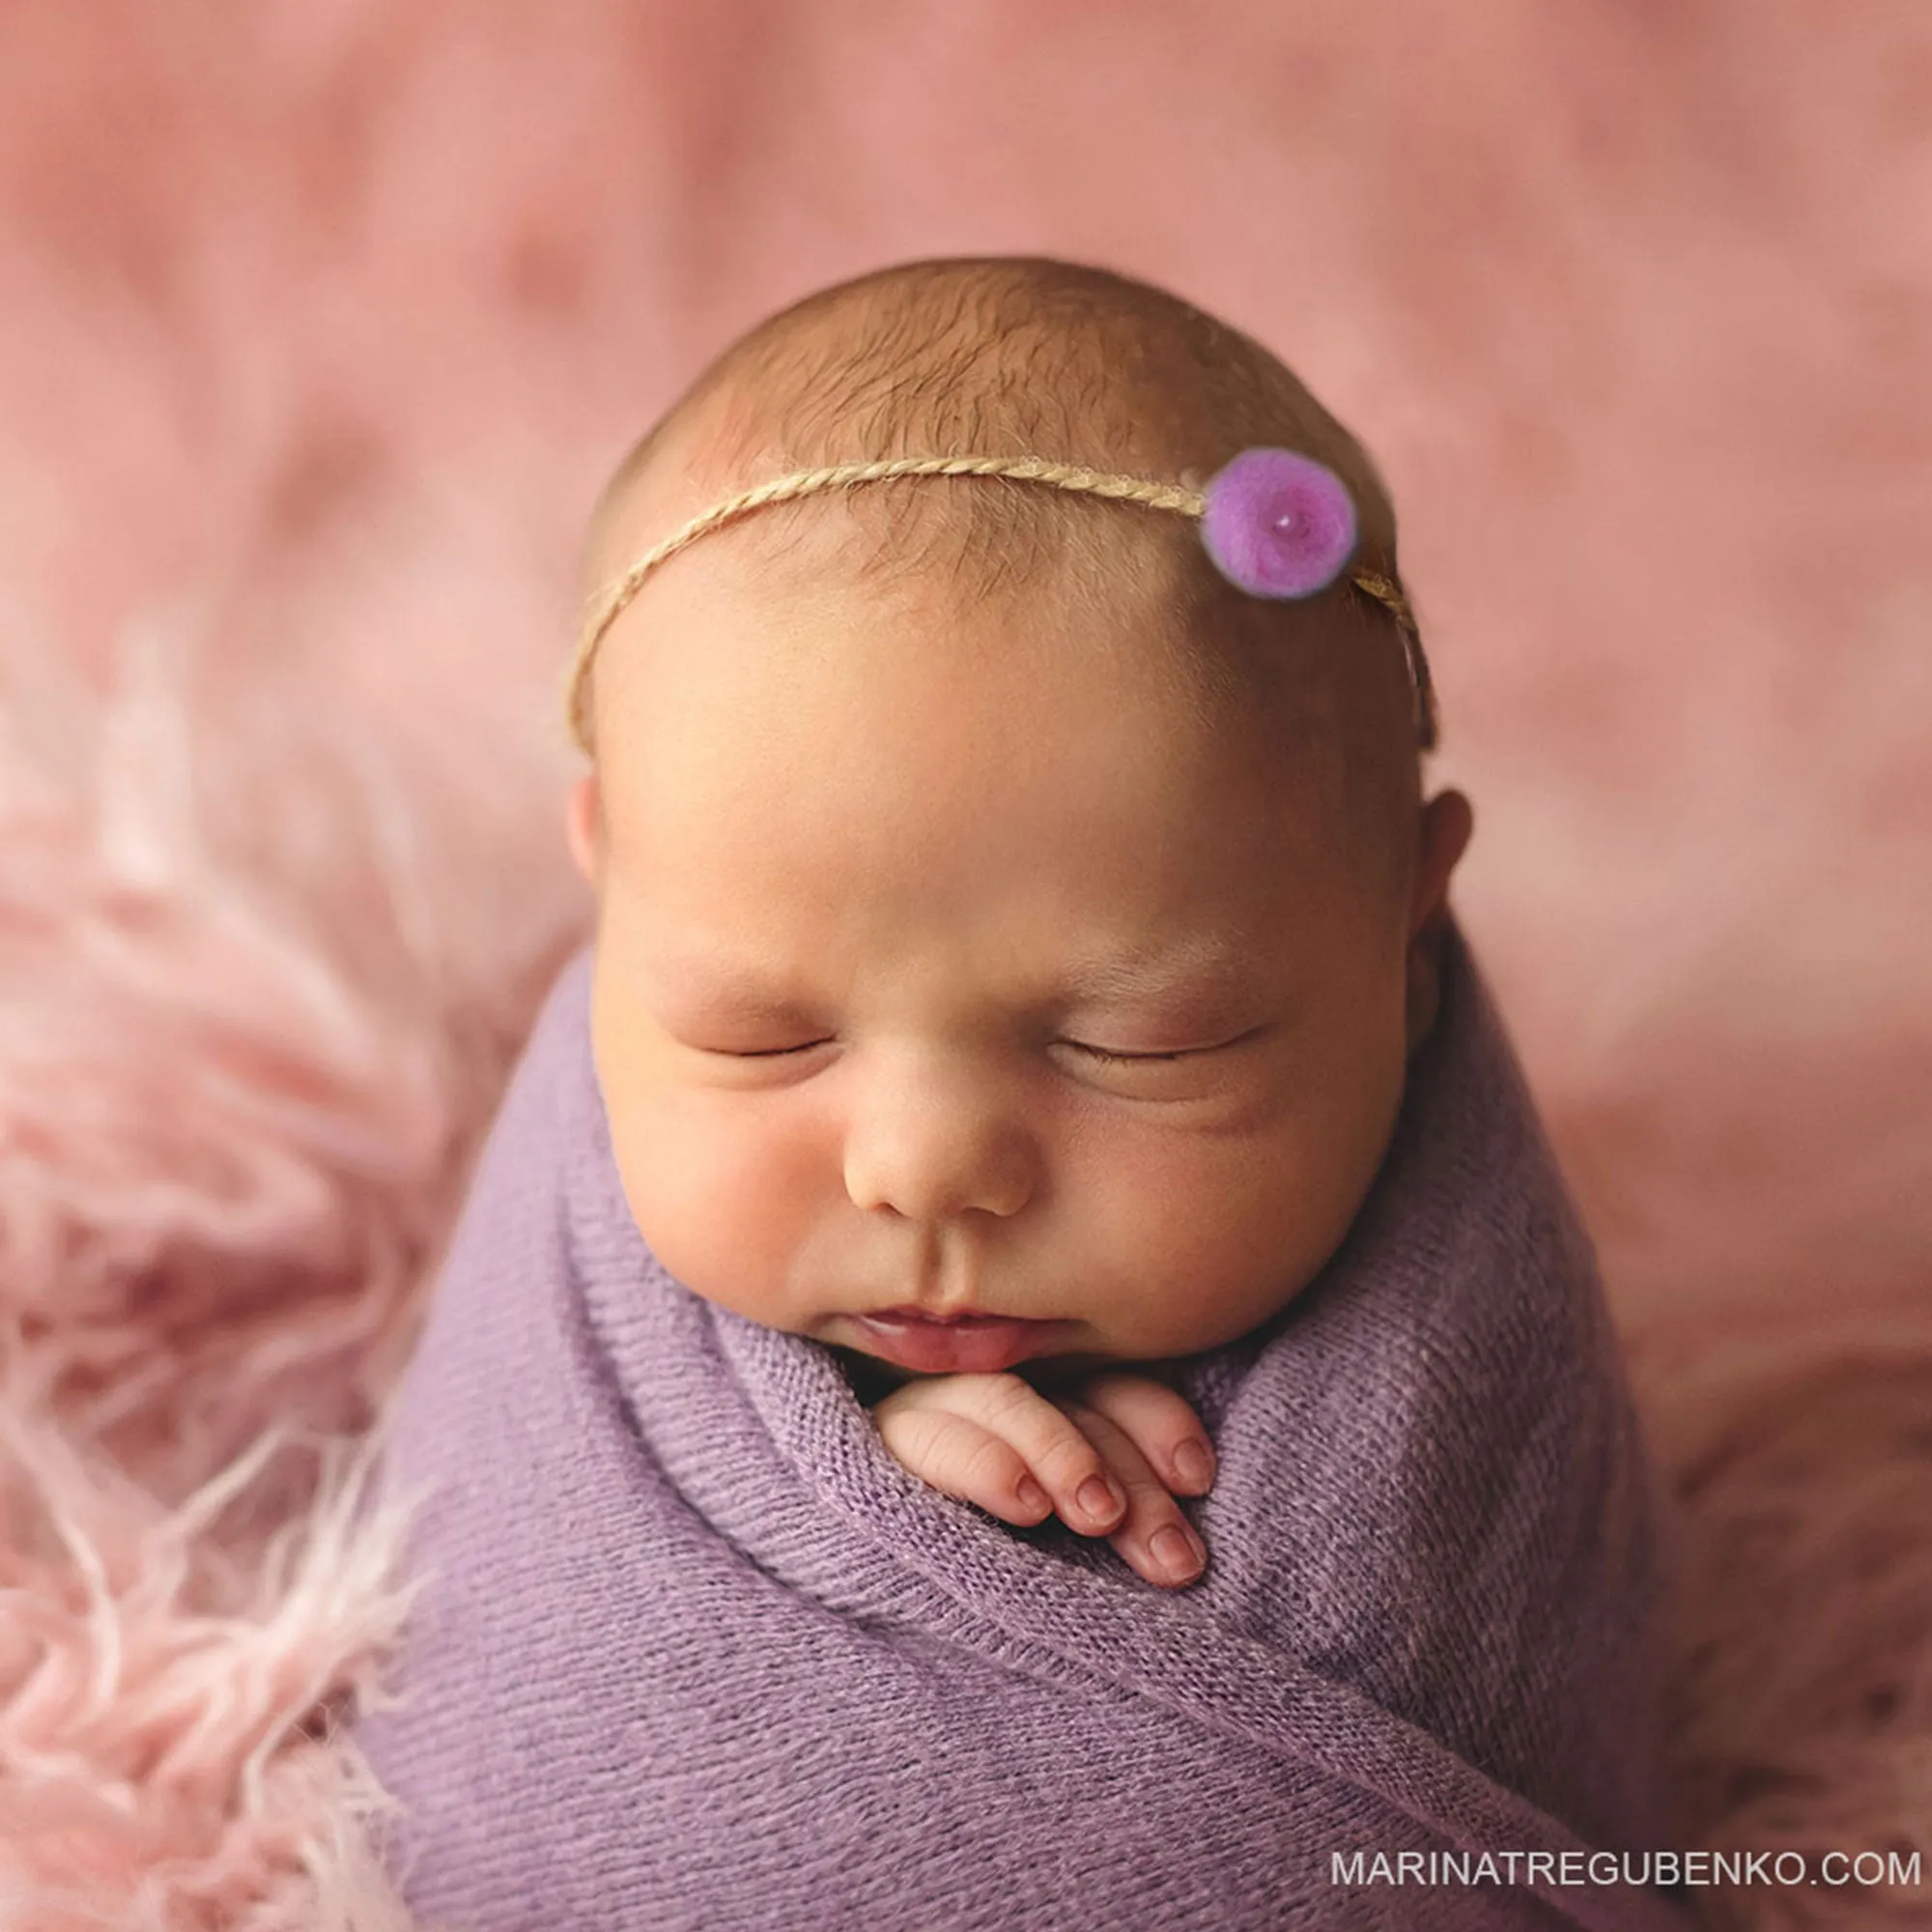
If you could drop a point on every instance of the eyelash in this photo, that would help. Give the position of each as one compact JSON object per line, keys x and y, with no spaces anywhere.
{"x":1107,"y":1059}
{"x":1099,"y":1053}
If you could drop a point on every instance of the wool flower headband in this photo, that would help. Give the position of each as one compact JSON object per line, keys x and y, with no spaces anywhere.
{"x":1276,"y":524}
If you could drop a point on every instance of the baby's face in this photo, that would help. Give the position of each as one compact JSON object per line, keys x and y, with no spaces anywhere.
{"x":947,"y":958}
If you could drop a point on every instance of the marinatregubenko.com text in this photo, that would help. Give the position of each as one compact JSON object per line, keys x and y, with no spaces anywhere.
{"x":1658,"y":1868}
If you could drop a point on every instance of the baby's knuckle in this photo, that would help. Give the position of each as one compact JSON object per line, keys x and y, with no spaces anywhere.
{"x":1088,"y":1425}
{"x":1146,"y":1401}
{"x":890,"y":1415}
{"x":917,"y":1434}
{"x":1072,"y":1459}
{"x":1151,"y":1504}
{"x":1003,"y":1398}
{"x":989,"y":1464}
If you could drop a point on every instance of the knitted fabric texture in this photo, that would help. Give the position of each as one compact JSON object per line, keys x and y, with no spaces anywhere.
{"x":693,"y":1650}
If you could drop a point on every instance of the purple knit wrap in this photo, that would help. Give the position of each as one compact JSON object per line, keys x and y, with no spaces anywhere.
{"x":695,"y":1651}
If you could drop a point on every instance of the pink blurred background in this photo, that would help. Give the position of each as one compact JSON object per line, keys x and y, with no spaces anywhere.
{"x":320,"y":324}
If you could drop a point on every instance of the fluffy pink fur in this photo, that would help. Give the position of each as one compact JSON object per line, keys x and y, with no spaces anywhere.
{"x":318,"y":329}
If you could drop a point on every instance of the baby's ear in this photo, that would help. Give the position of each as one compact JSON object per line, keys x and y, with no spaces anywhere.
{"x":582,"y":824}
{"x":1447,"y":821}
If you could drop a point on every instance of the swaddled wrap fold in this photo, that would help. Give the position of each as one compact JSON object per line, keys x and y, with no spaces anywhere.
{"x":693,"y":1651}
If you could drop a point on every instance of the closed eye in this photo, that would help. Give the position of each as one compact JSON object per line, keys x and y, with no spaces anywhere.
{"x":1106,"y":1056}
{"x":1109,"y":1058}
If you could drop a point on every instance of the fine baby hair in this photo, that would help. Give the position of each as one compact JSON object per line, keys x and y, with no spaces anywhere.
{"x":1276,"y":524}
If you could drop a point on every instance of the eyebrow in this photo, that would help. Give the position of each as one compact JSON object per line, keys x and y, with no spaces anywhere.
{"x":1212,"y":972}
{"x":720,"y":983}
{"x":1211,"y":969}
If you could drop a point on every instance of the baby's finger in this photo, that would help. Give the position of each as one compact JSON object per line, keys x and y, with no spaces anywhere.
{"x":956,"y":1454}
{"x":1155,"y":1539}
{"x":1159,"y":1424}
{"x":1070,"y":1469}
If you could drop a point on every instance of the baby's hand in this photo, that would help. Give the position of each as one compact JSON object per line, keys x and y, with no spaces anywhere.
{"x":1105,"y":1454}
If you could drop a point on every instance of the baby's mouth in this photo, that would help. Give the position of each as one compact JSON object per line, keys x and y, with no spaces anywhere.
{"x":908,"y":1312}
{"x":966,"y":1343}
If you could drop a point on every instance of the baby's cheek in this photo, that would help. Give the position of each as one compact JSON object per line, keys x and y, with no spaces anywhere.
{"x":721,"y":1204}
{"x":1197,"y":1242}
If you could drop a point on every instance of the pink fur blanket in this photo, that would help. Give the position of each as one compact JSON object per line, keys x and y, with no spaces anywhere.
{"x":318,"y":329}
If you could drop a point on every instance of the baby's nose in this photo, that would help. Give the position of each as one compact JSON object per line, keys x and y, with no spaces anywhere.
{"x":930,"y":1143}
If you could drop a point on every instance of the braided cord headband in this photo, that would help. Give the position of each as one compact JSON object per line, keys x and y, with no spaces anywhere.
{"x":1277,"y":525}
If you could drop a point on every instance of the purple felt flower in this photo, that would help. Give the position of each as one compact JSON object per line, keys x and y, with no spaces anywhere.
{"x":1278,"y":524}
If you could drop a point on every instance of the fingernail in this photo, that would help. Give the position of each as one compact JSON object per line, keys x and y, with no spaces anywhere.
{"x":1032,"y":1497}
{"x":1193,"y":1464}
{"x":1099,"y":1498}
{"x":1177,"y":1551}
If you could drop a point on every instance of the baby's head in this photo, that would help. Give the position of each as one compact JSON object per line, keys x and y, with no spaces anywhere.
{"x":999,"y":911}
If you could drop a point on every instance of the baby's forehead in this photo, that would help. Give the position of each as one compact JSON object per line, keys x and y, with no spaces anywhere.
{"x":796,"y":638}
{"x":812,"y":628}
{"x":1010,"y":359}
{"x":1116,"y":599}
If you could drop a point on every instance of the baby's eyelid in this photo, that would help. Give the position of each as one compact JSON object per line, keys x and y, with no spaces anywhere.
{"x":1182,"y":1052}
{"x":1079,"y":1045}
{"x":1103,"y":1053}
{"x":1109,"y":1053}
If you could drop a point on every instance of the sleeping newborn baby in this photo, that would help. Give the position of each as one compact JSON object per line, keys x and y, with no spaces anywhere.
{"x":1027,"y":1109}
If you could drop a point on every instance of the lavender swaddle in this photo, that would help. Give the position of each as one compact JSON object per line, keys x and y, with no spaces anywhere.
{"x":695,"y":1651}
